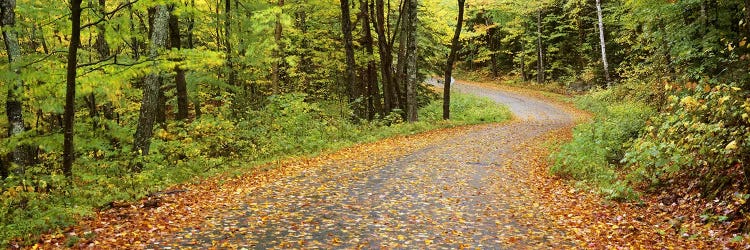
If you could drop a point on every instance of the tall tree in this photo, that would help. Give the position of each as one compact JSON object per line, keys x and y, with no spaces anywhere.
{"x":152,"y":86}
{"x":540,"y":49}
{"x":601,"y":41}
{"x":13,"y":107}
{"x":180,"y":81}
{"x":451,"y":59}
{"x":346,"y":28}
{"x":70,"y":88}
{"x":385,"y":50}
{"x":411,"y":60}
{"x":227,"y":39}
{"x":276,"y":74}
{"x":371,"y":72}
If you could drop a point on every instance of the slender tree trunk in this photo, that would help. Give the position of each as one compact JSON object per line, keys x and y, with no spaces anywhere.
{"x":540,"y":49}
{"x":70,"y":88}
{"x":179,"y":78}
{"x":102,"y":48}
{"x":152,"y":86}
{"x":601,"y":41}
{"x":191,"y":25}
{"x":135,"y":44}
{"x":305,"y":65}
{"x":385,"y":49}
{"x":276,"y":74}
{"x":401,"y":74}
{"x":491,"y":42}
{"x":523,"y":62}
{"x":13,"y":104}
{"x":411,"y":62}
{"x":227,"y":39}
{"x":451,"y":59}
{"x":371,"y":73}
{"x":349,"y":76}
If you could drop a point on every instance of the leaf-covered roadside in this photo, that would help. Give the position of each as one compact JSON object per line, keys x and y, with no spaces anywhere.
{"x":654,"y":222}
{"x":132,"y":225}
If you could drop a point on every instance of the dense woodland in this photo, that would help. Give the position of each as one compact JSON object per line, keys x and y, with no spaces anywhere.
{"x":109,"y":100}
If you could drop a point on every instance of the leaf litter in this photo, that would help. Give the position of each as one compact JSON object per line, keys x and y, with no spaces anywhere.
{"x":485,"y":186}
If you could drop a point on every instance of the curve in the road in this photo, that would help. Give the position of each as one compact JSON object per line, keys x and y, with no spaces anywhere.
{"x":462,"y":191}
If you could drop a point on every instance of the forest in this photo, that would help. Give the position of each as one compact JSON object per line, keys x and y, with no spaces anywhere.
{"x":112,"y":101}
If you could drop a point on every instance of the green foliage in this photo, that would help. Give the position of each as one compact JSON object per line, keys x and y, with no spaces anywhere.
{"x":704,"y":133}
{"x":467,"y":109}
{"x":597,"y":147}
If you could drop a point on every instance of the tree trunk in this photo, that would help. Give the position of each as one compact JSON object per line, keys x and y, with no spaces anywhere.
{"x":276,"y":74}
{"x":152,"y":86}
{"x":411,"y":61}
{"x":13,"y":104}
{"x":401,"y":75}
{"x":70,"y":88}
{"x":601,"y":41}
{"x":135,"y":44}
{"x":349,"y":76}
{"x":540,"y":49}
{"x":371,"y":73}
{"x":385,"y":49}
{"x":227,"y":39}
{"x":523,"y":62}
{"x":179,"y":78}
{"x":493,"y":49}
{"x":451,"y":59}
{"x":102,"y":48}
{"x":191,"y":25}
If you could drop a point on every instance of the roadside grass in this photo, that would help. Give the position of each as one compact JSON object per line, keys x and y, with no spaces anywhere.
{"x":593,"y":157}
{"x":287,"y":127}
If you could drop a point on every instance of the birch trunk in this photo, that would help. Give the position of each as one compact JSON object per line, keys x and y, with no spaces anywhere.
{"x":601,"y":41}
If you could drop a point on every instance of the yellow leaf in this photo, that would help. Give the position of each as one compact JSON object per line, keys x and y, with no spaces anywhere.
{"x":731,"y":146}
{"x":401,"y":237}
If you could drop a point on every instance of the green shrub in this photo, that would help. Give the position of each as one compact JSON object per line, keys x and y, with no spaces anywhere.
{"x":703,"y":133}
{"x":597,"y":147}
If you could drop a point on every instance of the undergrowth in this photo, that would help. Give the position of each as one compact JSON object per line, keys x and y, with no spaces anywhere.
{"x":594,"y":155}
{"x":43,"y":200}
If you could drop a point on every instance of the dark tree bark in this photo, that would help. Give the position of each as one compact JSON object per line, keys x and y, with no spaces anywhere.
{"x":179,"y":78}
{"x":13,"y":106}
{"x":306,"y":63}
{"x":540,"y":49}
{"x":451,"y":59}
{"x":152,"y":86}
{"x":411,"y":61}
{"x":385,"y":49}
{"x":492,"y":42}
{"x":227,"y":33}
{"x":102,"y":49}
{"x":371,"y":73}
{"x":349,"y":76}
{"x":276,"y":74}
{"x":190,"y":45}
{"x":134,"y":43}
{"x":70,"y":88}
{"x":523,"y":62}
